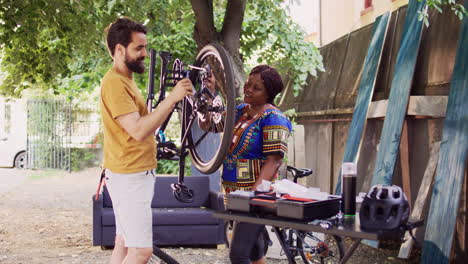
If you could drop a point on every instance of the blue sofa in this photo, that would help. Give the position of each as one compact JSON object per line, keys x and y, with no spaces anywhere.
{"x":174,"y":223}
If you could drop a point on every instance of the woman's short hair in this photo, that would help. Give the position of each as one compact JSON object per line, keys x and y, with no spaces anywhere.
{"x":120,"y":32}
{"x":271,"y":80}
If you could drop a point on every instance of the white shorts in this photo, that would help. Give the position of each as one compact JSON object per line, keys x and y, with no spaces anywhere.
{"x":131,"y":196}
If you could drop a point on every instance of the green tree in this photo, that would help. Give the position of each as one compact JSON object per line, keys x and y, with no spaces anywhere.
{"x":457,"y":8}
{"x":59,"y":44}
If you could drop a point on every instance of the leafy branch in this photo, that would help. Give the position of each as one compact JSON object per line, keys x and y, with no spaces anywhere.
{"x":458,"y":9}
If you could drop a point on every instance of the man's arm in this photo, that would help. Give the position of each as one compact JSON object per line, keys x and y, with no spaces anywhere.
{"x":140,"y":127}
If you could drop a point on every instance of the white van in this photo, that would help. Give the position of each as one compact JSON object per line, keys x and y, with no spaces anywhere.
{"x":13,"y":136}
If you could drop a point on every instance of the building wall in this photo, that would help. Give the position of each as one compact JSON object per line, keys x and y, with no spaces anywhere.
{"x":340,"y":17}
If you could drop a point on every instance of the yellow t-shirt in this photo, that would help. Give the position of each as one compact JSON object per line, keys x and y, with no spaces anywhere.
{"x":122,"y":153}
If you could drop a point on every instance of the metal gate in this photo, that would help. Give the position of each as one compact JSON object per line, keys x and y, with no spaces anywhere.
{"x":49,"y":134}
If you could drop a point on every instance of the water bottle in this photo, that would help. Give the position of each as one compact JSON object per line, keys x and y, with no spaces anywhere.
{"x":348,"y":192}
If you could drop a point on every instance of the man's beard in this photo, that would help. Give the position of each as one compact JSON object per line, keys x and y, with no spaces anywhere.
{"x":135,"y":65}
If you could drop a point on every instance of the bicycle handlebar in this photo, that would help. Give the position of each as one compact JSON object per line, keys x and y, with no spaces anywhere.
{"x":299,"y":173}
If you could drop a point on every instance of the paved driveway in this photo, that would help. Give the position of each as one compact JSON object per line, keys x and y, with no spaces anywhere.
{"x":10,"y":178}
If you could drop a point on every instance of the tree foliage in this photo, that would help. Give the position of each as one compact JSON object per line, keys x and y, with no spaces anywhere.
{"x":457,"y":8}
{"x":59,"y":44}
{"x":273,"y":38}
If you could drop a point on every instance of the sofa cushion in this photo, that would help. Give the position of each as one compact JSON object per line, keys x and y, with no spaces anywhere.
{"x":164,"y":197}
{"x":188,"y":235}
{"x":183,"y":216}
{"x":170,"y":216}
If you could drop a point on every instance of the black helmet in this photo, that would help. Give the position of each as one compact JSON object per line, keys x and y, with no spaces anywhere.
{"x":385,"y":208}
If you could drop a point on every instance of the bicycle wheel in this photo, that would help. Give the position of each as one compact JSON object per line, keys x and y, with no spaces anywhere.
{"x":208,"y":146}
{"x":160,"y":256}
{"x":325,"y":251}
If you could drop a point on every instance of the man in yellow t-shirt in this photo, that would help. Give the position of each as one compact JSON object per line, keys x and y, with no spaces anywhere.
{"x":129,"y":144}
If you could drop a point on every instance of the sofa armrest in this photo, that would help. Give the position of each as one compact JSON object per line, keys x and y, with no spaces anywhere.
{"x":217,"y":201}
{"x":97,"y":220}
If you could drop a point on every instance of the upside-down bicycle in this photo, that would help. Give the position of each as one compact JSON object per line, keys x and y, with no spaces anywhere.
{"x":213,"y":97}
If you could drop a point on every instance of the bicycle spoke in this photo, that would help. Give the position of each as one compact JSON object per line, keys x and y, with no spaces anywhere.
{"x":316,"y":250}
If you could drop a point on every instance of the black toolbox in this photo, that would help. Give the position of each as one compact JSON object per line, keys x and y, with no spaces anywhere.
{"x":237,"y":202}
{"x":308,"y":210}
{"x":256,"y":202}
{"x":259,"y":202}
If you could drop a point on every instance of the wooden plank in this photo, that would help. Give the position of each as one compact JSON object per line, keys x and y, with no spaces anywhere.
{"x":366,"y":89}
{"x":434,"y":106}
{"x":318,"y":141}
{"x":296,"y":151}
{"x":299,"y":146}
{"x":337,"y":111}
{"x":419,"y":210}
{"x":405,"y":165}
{"x":399,"y":95}
{"x":398,"y":99}
{"x":431,"y":106}
{"x":368,"y":154}
{"x":419,"y":105}
{"x":462,"y":231}
{"x":452,"y":161}
{"x":459,"y":252}
{"x":377,"y":109}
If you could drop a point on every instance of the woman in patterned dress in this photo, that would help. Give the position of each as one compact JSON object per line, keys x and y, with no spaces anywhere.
{"x":258,"y":146}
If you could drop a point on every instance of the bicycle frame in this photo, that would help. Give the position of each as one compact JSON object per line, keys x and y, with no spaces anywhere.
{"x":169,"y":78}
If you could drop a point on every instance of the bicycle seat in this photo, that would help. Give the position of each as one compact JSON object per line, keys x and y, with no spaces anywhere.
{"x":299,"y":173}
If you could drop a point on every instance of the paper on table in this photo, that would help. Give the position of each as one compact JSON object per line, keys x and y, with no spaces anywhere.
{"x":242,"y":193}
{"x":264,"y":186}
{"x":288,"y":187}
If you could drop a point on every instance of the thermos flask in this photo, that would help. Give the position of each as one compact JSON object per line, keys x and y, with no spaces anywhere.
{"x":348,"y":192}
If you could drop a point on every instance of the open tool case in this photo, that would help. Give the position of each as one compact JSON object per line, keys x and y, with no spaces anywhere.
{"x":283,"y":205}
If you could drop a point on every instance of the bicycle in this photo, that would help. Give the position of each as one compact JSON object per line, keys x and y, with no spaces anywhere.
{"x":309,"y":246}
{"x":214,"y":95}
{"x":212,"y":63}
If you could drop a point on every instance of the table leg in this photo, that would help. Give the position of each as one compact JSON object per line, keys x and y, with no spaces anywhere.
{"x":285,"y":247}
{"x":350,"y":251}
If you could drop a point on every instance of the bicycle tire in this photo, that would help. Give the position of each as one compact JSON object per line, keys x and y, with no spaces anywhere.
{"x":333,"y":253}
{"x":160,"y":256}
{"x":215,"y":55}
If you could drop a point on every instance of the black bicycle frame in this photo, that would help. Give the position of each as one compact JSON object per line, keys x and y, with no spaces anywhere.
{"x":181,"y":192}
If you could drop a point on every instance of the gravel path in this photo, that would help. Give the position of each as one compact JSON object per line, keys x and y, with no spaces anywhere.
{"x":46,"y":217}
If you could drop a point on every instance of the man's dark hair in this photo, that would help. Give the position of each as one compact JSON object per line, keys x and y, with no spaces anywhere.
{"x":120,"y":32}
{"x":271,"y":80}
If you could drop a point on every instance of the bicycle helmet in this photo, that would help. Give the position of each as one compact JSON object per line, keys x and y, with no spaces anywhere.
{"x":384,"y":208}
